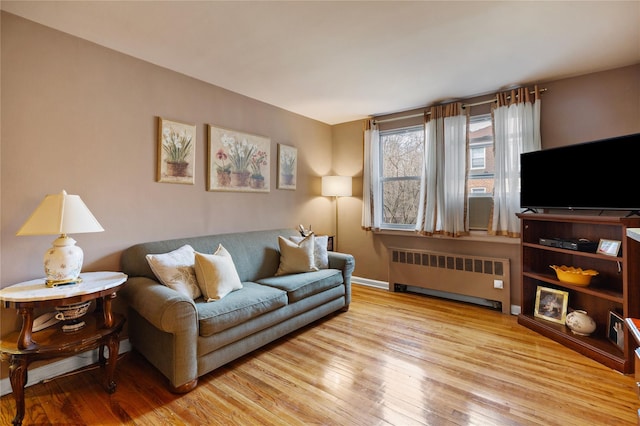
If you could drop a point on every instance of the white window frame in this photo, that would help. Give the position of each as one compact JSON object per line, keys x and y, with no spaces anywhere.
{"x":474,"y":192}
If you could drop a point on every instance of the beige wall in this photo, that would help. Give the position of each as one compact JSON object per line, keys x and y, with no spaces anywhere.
{"x":574,"y":110}
{"x":83,"y":118}
{"x":80,"y":117}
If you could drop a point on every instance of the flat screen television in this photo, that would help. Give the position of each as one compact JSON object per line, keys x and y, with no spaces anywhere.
{"x":598,"y":175}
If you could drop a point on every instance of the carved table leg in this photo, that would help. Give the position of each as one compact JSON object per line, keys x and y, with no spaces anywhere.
{"x":18,"y":379}
{"x":24,"y":339}
{"x":104,"y":306}
{"x":113,"y":344}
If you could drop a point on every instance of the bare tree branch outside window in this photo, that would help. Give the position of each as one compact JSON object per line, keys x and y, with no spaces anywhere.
{"x":402,"y":153}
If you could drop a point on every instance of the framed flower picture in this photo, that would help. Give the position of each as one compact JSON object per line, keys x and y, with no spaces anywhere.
{"x":287,"y":167}
{"x":176,"y":152}
{"x":238,"y":161}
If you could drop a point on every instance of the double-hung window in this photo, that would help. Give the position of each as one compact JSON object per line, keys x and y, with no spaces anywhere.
{"x":401,"y":160}
{"x":470,"y":175}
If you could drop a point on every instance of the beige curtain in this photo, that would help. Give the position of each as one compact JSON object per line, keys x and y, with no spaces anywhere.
{"x":371,"y":216}
{"x":442,"y":203}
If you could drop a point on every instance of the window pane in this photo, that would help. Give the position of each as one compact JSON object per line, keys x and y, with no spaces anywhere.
{"x":402,"y":153}
{"x":400,"y":198}
{"x":401,"y":168}
{"x":477,"y":158}
{"x":481,"y":171}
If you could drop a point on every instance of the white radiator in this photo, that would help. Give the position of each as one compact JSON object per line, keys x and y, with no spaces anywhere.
{"x":452,"y":274}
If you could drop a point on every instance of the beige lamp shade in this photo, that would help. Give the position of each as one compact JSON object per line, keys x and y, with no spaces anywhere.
{"x":336,"y":186}
{"x":61,"y":214}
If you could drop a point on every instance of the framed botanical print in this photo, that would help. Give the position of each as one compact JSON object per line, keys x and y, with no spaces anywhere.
{"x":238,"y":161}
{"x":287,"y":166}
{"x":176,"y":152}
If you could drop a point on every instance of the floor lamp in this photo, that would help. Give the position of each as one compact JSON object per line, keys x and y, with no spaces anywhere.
{"x":336,"y":186}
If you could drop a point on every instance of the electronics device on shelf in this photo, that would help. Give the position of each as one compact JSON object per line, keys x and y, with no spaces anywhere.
{"x":580,"y":244}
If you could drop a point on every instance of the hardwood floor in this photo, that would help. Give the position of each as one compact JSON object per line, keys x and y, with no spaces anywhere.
{"x":392,"y":359}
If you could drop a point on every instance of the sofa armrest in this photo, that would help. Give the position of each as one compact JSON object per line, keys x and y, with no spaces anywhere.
{"x":346,"y":263}
{"x":164,"y":308}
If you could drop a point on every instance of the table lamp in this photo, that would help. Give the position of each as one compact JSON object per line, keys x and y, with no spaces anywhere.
{"x":336,"y":186}
{"x":61,"y":214}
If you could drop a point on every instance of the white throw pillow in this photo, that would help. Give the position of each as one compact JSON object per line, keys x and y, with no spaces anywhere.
{"x":216,"y":274}
{"x":320,"y":253}
{"x":175,"y":270}
{"x":296,"y":257}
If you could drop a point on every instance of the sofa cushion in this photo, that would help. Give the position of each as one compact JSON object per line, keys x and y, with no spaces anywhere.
{"x":296,"y":257}
{"x":175,"y":270}
{"x":320,"y":252}
{"x":238,"y":306}
{"x":300,"y":286}
{"x":216,"y":274}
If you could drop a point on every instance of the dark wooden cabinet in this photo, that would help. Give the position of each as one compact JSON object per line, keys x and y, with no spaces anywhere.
{"x":615,"y":289}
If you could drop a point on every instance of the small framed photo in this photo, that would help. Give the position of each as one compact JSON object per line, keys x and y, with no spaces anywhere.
{"x":551,"y":304}
{"x":287,"y":166}
{"x":609,"y":247}
{"x":615,"y":329}
{"x":330,"y":243}
{"x":176,"y":151}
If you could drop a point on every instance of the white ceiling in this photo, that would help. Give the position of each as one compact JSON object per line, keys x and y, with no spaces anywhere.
{"x":338,"y":61}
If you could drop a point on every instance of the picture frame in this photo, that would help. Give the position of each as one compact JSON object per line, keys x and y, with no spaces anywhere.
{"x":238,"y":161}
{"x":287,"y":167}
{"x":176,"y":152}
{"x":609,"y":247}
{"x":615,"y":329}
{"x":551,"y":304}
{"x":330,"y":243}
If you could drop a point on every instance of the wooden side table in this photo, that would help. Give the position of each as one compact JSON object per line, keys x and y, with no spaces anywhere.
{"x":102,"y":328}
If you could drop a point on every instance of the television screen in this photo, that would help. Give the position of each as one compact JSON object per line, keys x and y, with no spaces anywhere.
{"x":599,"y":175}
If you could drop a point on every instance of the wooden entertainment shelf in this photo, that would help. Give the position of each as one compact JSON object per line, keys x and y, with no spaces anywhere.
{"x":616,"y":288}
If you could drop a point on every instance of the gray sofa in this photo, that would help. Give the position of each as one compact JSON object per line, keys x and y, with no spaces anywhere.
{"x":185,"y":338}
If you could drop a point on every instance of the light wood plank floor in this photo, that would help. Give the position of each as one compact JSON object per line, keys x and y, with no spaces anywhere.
{"x":392,"y":359}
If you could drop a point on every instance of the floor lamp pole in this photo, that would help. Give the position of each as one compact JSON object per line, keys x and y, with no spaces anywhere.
{"x":335,"y":239}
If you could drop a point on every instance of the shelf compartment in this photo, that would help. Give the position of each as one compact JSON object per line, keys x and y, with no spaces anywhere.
{"x":595,"y":346}
{"x":585,"y":254}
{"x":54,"y":341}
{"x":603,"y":293}
{"x":539,"y":261}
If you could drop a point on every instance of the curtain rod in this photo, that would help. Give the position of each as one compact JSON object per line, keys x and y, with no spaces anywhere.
{"x":404,"y":117}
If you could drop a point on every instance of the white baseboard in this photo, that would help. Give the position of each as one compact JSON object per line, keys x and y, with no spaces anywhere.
{"x":370,"y":283}
{"x":515,"y":309}
{"x":63,"y":366}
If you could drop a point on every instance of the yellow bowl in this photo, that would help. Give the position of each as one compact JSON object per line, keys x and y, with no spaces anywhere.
{"x":575,"y":276}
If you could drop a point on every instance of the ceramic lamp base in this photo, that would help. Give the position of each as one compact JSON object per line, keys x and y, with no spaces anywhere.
{"x":56,"y":283}
{"x":63,"y":262}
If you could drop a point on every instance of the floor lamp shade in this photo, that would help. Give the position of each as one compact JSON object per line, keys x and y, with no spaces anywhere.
{"x":61,"y":214}
{"x":336,"y":186}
